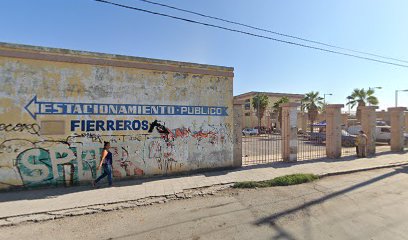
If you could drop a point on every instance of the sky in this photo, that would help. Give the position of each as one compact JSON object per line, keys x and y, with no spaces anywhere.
{"x":374,"y":26}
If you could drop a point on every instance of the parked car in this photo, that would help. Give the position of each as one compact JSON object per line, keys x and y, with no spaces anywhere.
{"x":262,"y":130}
{"x":249,"y":131}
{"x":347,"y":139}
{"x":320,"y":135}
{"x":354,"y":129}
{"x":381,"y":123}
{"x":382,"y":133}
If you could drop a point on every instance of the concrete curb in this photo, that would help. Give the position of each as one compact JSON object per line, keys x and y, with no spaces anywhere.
{"x":106,"y":207}
{"x":362,"y":170}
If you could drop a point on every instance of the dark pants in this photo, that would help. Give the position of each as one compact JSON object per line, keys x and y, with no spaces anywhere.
{"x":361,"y":151}
{"x":107,"y":171}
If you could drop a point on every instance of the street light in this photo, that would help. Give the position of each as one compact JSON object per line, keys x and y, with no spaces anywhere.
{"x":324,"y":97}
{"x":396,"y":96}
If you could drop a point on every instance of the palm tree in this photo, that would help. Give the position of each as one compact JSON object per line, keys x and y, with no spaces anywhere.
{"x":312,"y":102}
{"x":277,"y":109}
{"x":361,"y":97}
{"x":259,"y":102}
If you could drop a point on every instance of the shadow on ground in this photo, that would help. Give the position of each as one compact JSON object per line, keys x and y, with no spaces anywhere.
{"x":281,"y":164}
{"x":283,"y":234}
{"x":53,"y":191}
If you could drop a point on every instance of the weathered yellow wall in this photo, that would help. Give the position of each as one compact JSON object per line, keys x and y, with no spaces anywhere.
{"x":40,"y":150}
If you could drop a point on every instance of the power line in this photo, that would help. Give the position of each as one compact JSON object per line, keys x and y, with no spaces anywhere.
{"x":273,"y":32}
{"x":251,"y":34}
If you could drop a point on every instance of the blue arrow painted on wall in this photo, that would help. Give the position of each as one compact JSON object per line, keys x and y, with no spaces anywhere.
{"x":28,"y":106}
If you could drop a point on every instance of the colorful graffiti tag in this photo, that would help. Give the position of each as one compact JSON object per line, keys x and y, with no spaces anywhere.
{"x":74,"y":159}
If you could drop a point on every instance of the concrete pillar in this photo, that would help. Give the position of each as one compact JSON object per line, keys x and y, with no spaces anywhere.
{"x":385,"y":116}
{"x":237,"y":135}
{"x":344,"y":119}
{"x":289,"y":131}
{"x":368,"y":123}
{"x":406,"y":120}
{"x":397,"y":128}
{"x":302,"y":121}
{"x":333,"y":130}
{"x":358,"y":114}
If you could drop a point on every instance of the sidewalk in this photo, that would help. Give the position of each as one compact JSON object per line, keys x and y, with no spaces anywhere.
{"x":44,"y":204}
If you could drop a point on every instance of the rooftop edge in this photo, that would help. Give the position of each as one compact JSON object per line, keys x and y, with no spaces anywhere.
{"x":94,"y":58}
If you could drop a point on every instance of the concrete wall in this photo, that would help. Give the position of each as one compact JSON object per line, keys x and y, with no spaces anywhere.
{"x":384,"y":116}
{"x":406,"y":121}
{"x":58,"y":107}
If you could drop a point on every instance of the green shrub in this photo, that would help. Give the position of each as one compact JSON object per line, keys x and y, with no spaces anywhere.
{"x":279,"y":181}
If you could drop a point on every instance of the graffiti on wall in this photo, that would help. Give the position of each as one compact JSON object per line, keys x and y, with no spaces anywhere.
{"x":32,"y":128}
{"x":144,"y":148}
{"x":74,"y":159}
{"x":79,"y":106}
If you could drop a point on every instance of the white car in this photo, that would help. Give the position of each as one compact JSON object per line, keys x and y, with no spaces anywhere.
{"x":382,"y":133}
{"x":250,"y":131}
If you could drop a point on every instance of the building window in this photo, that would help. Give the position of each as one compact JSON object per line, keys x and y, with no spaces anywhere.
{"x":247,"y":104}
{"x":247,"y":114}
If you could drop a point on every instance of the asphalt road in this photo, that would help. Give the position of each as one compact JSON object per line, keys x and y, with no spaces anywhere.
{"x":366,"y":205}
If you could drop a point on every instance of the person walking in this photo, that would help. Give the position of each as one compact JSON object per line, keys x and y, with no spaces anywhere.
{"x":106,"y":164}
{"x":361,"y":144}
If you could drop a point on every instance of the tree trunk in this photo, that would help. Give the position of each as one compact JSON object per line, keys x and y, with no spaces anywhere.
{"x":312,"y":114}
{"x":280,"y":118}
{"x":259,"y":122}
{"x":358,"y":113}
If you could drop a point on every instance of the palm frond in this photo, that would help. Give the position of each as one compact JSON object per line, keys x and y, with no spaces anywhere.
{"x":373,"y":100}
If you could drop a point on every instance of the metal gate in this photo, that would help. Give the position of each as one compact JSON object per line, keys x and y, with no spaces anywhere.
{"x":267,"y":147}
{"x":348,"y":144}
{"x":261,"y":148}
{"x":312,"y":142}
{"x":347,"y":151}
